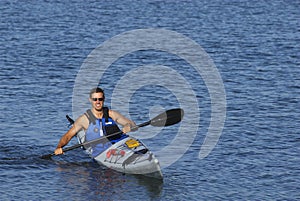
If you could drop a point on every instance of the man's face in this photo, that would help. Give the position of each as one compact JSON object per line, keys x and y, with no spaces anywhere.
{"x":97,"y":101}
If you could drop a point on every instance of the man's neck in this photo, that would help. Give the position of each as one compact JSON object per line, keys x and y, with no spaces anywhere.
{"x":98,"y":113}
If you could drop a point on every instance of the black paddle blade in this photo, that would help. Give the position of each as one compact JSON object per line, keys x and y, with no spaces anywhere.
{"x":168,"y":118}
{"x":47,"y":157}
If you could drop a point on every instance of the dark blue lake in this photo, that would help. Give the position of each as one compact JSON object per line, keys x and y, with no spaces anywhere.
{"x":255,"y":47}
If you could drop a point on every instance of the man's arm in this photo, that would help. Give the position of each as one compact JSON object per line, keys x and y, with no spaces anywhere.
{"x":65,"y":139}
{"x":120,"y":119}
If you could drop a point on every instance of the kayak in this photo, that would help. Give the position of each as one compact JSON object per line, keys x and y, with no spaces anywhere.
{"x":129,"y":156}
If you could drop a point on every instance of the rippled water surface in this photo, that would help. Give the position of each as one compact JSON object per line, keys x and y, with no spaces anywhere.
{"x":255,"y":46}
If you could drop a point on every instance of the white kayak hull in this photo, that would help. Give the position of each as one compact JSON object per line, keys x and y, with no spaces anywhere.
{"x":130,"y":156}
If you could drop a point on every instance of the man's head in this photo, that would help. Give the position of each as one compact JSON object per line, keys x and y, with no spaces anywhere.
{"x":96,"y":90}
{"x":97,"y":98}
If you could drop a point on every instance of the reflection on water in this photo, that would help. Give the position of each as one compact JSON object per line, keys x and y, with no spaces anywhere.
{"x":91,"y":179}
{"x":154,"y":186}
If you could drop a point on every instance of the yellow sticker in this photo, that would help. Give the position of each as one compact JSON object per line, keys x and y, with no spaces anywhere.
{"x":131,"y":143}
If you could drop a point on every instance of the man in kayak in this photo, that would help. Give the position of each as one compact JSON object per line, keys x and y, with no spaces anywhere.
{"x":97,"y":122}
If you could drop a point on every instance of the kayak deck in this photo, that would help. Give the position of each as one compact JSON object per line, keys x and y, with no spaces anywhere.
{"x":130,"y":156}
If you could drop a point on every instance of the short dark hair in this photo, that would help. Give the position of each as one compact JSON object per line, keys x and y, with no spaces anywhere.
{"x":97,"y":90}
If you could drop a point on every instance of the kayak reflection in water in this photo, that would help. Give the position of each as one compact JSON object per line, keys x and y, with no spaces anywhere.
{"x":97,"y":122}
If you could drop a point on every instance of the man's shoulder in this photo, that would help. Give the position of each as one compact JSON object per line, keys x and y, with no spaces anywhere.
{"x":82,"y":120}
{"x":111,"y":112}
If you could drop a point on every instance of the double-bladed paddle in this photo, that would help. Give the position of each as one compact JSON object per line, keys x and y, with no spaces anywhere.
{"x":167,"y":118}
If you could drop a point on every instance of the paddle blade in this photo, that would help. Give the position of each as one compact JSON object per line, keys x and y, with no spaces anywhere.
{"x":168,"y":118}
{"x":47,"y":157}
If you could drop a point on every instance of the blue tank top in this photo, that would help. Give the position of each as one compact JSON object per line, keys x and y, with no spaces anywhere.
{"x":102,"y":127}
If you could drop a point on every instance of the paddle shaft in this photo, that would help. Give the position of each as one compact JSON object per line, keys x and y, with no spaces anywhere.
{"x":96,"y":140}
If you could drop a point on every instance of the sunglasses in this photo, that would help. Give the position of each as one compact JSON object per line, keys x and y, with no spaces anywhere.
{"x":99,"y":99}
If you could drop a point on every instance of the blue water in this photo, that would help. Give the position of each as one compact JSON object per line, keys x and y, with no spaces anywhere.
{"x":255,"y":46}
